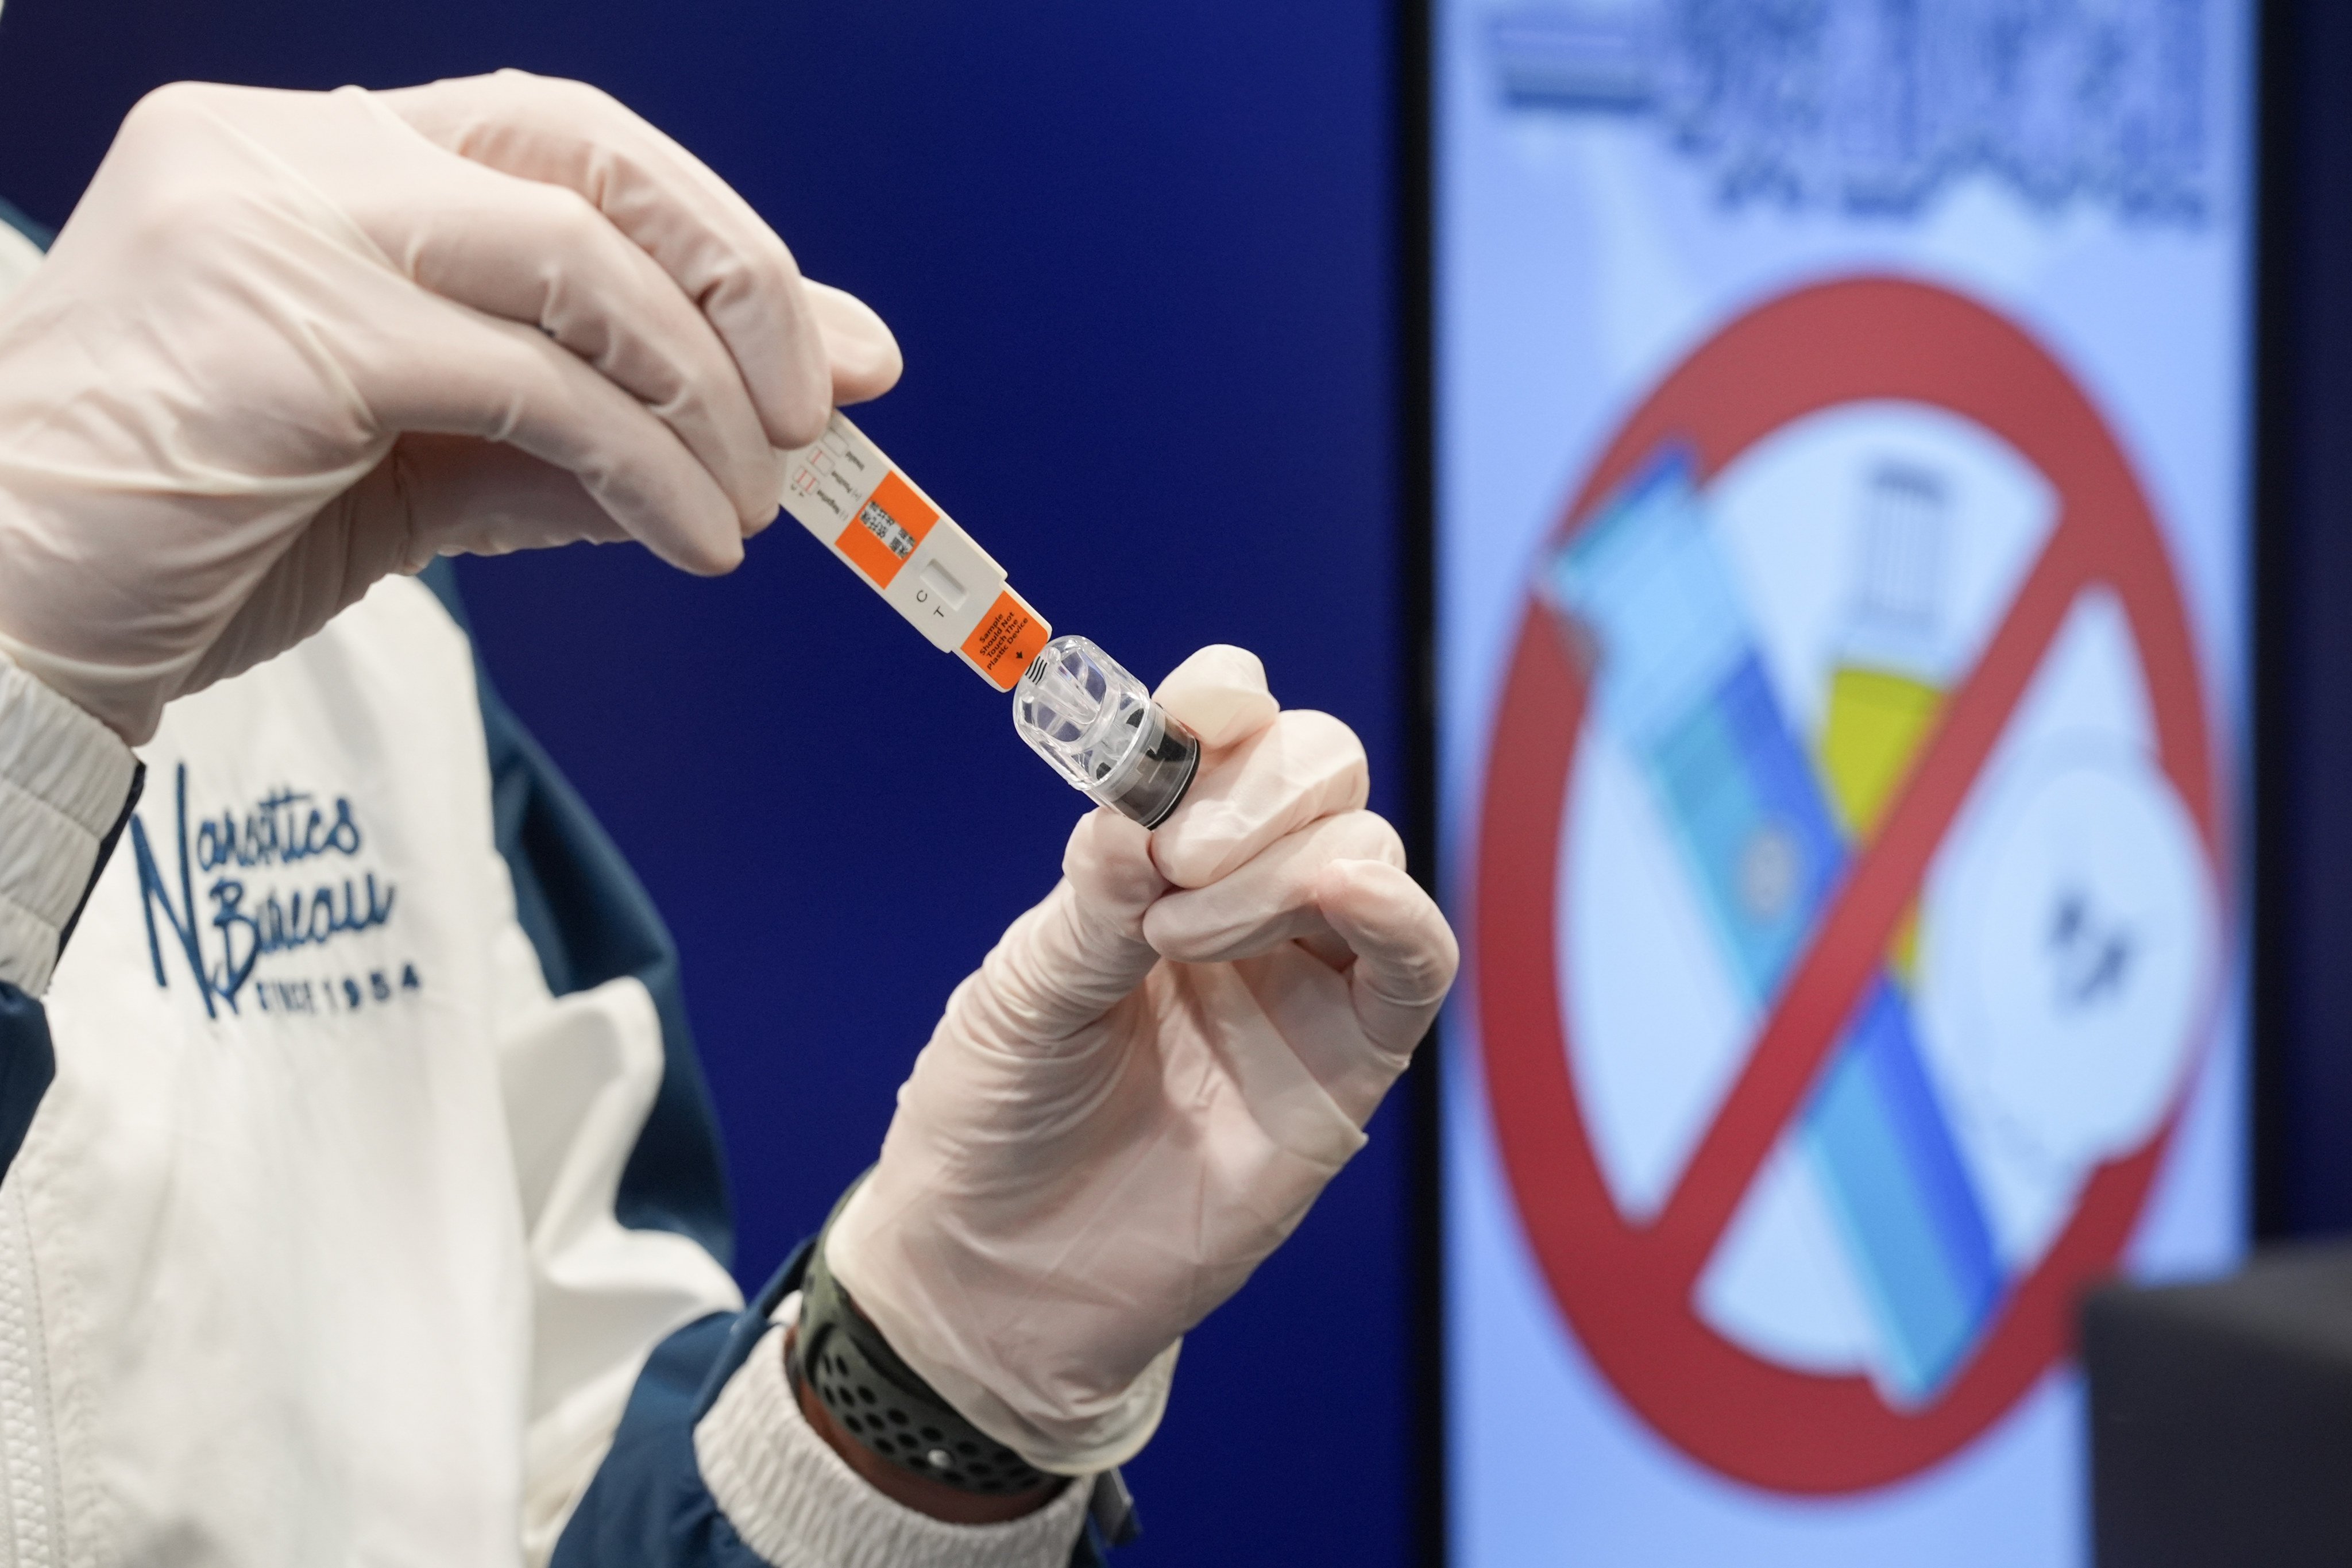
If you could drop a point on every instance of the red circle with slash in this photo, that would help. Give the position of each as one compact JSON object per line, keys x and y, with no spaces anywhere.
{"x":1627,"y":1289}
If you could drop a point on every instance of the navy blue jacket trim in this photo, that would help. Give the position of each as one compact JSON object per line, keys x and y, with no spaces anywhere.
{"x":31,"y":227}
{"x":105,"y":852}
{"x":27,"y":1063}
{"x":648,"y":1506}
{"x":591,"y":920}
{"x":29,"y":1059}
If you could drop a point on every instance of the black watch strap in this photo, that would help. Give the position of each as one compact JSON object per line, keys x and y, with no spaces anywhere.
{"x":882,"y":1402}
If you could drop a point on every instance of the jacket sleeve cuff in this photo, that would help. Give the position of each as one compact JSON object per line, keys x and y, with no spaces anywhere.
{"x":64,"y":786}
{"x":797,"y":1504}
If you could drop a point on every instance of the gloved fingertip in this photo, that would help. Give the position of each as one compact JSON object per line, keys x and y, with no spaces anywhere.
{"x":1109,"y":861}
{"x":1194,"y":851}
{"x":858,"y":380}
{"x":1390,"y":923}
{"x":792,"y":389}
{"x":1340,"y":888}
{"x":795,"y":419}
{"x":1220,"y":694}
{"x":717,"y":561}
{"x":859,"y":348}
{"x":754,"y":486}
{"x":1365,"y":884}
{"x":700,"y":552}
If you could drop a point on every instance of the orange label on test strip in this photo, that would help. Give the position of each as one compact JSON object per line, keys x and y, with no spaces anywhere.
{"x":886,"y":529}
{"x":1006,"y":639}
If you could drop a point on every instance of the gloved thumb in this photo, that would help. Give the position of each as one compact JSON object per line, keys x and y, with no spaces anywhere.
{"x":1071,"y":958}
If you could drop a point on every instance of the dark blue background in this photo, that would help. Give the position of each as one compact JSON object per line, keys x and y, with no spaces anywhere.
{"x":1140,"y":262}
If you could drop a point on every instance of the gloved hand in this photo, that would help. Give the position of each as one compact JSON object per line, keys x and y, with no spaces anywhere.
{"x":1147,"y":1083}
{"x":290,"y":342}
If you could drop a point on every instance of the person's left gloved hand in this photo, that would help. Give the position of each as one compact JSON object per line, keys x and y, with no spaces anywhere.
{"x":1148,"y":1082}
{"x":291,"y":343}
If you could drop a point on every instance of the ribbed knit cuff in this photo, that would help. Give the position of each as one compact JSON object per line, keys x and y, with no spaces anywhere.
{"x":64,"y":780}
{"x":799,"y":1505}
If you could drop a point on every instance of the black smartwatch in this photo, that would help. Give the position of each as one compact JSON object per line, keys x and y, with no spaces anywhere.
{"x":882,"y":1402}
{"x":885,"y":1404}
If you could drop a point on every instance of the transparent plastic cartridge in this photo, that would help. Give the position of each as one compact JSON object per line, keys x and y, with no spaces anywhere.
{"x":1081,"y":710}
{"x":1073,"y":704}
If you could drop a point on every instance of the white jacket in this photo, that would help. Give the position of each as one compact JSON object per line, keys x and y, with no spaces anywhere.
{"x":376,"y":1178}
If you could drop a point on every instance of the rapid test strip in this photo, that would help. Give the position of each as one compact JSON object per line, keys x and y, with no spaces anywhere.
{"x":884,"y":528}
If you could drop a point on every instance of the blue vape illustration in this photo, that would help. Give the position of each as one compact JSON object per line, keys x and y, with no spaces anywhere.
{"x":1682,"y":683}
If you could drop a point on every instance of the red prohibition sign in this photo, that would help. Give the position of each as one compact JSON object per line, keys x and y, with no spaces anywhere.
{"x":1628,"y":1288}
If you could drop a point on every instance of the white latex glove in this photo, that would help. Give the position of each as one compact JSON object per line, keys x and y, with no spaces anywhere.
{"x":1147,"y":1083}
{"x":290,"y":342}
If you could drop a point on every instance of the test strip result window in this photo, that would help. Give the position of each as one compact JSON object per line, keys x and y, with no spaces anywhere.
{"x":1843,"y":540}
{"x":844,"y":491}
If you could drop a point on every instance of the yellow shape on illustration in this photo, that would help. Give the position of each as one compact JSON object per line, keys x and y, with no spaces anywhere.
{"x":1878,"y":721}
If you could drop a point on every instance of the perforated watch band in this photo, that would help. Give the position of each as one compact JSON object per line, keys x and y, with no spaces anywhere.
{"x":882,"y":1402}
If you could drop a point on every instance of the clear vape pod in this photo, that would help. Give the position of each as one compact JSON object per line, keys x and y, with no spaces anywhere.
{"x":1081,"y":710}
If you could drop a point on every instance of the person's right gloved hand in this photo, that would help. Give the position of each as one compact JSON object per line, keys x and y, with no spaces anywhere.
{"x":1139,"y":1094}
{"x":291,"y":343}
